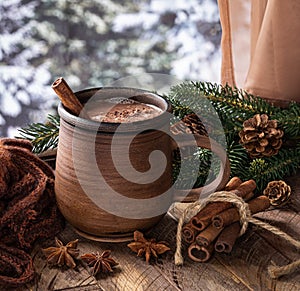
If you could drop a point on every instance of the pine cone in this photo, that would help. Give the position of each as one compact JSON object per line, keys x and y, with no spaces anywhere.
{"x":278,"y":192}
{"x":260,"y":136}
{"x":192,"y":125}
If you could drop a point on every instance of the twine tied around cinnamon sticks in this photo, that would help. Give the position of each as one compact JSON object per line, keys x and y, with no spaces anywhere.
{"x":245,"y":218}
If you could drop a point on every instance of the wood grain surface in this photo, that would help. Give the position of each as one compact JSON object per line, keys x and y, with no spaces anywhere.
{"x":244,"y":269}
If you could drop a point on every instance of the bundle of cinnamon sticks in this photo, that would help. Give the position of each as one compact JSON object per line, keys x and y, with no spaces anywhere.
{"x":216,"y":227}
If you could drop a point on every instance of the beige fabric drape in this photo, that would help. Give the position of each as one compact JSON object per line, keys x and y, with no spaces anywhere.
{"x":261,"y":47}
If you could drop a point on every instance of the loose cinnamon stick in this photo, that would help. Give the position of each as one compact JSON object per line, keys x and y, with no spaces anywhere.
{"x":231,"y":215}
{"x":190,"y":230}
{"x":245,"y":188}
{"x":227,"y":238}
{"x":208,"y":235}
{"x":67,"y":97}
{"x":189,"y":233}
{"x":201,"y":220}
{"x":200,"y":253}
{"x":230,"y":233}
{"x":233,"y":183}
{"x":249,"y":196}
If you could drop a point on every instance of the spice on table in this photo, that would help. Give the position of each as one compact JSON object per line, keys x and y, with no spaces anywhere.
{"x":208,"y":235}
{"x":203,"y":218}
{"x":62,"y":255}
{"x":233,"y":183}
{"x":244,"y":189}
{"x":100,"y":263}
{"x":227,"y":238}
{"x":232,"y":215}
{"x":216,"y":226}
{"x":200,"y":253}
{"x":189,"y":232}
{"x":147,"y":247}
{"x":249,"y":196}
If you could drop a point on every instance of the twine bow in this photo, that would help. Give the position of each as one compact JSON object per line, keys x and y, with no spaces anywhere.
{"x":245,"y":218}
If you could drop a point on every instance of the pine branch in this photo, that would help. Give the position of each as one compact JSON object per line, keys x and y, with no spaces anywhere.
{"x":277,"y":167}
{"x":42,"y":136}
{"x":239,"y":160}
{"x":236,"y":98}
{"x":233,"y":107}
{"x":202,"y":157}
{"x":289,"y":120}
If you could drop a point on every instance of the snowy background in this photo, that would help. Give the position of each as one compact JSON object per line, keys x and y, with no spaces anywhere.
{"x":94,"y":42}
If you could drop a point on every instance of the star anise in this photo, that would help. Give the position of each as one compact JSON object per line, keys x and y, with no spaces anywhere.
{"x":100,"y":263}
{"x":149,"y":247}
{"x":62,"y":255}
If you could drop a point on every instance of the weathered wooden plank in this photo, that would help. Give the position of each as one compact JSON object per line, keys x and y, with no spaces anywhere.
{"x":250,"y":259}
{"x":133,"y":273}
{"x":54,"y":278}
{"x":244,"y":269}
{"x":193,"y":276}
{"x":258,"y":248}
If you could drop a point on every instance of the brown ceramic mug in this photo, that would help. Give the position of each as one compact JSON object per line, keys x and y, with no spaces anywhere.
{"x":115,"y":178}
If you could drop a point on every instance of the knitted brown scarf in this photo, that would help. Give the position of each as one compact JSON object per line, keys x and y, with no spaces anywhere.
{"x":28,"y":209}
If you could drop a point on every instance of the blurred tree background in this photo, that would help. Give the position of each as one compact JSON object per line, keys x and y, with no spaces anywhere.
{"x":94,"y":42}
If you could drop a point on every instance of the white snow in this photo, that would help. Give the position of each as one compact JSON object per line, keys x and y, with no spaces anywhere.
{"x":10,"y":106}
{"x":143,"y":19}
{"x":195,"y":60}
{"x":12,"y":131}
{"x":192,"y":49}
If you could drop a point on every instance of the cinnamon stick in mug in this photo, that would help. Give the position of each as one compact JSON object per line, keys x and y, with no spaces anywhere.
{"x":200,"y":253}
{"x":203,"y":218}
{"x":227,"y":238}
{"x":231,"y":215}
{"x":66,"y":96}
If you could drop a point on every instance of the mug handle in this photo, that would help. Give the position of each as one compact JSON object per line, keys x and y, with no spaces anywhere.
{"x":192,"y":195}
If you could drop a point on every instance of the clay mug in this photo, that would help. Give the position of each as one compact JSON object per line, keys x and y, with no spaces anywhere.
{"x":114,"y":178}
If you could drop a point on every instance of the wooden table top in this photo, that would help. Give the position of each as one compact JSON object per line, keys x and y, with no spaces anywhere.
{"x":244,"y":269}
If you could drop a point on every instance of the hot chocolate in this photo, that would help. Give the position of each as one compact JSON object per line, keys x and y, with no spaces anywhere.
{"x":121,"y":110}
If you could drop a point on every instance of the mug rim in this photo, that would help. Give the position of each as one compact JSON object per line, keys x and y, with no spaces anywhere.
{"x":110,"y":127}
